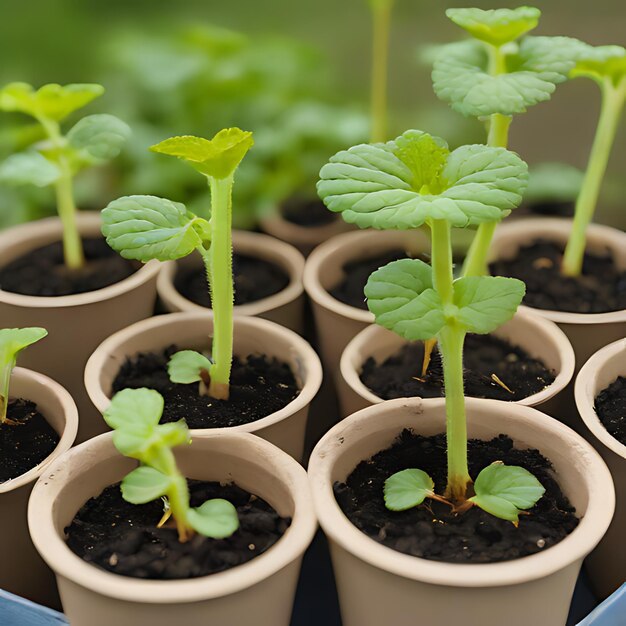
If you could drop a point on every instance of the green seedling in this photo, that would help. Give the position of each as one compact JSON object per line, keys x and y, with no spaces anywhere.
{"x":93,"y":140}
{"x":147,"y":227}
{"x":606,"y":65}
{"x":12,"y":342}
{"x":134,"y":414}
{"x":497,"y":74}
{"x":412,"y":181}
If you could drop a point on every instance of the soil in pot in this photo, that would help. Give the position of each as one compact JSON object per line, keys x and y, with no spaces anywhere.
{"x":123,"y":538}
{"x":25,"y":442}
{"x":431,"y":531}
{"x":254,"y":279}
{"x":42,"y":272}
{"x":610,"y":407}
{"x":601,"y":288}
{"x":307,"y":212}
{"x":494,"y":369}
{"x":548,"y":208}
{"x":258,"y":386}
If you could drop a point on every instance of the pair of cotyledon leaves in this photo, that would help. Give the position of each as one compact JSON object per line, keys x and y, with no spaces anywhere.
{"x":501,"y":490}
{"x":134,"y":414}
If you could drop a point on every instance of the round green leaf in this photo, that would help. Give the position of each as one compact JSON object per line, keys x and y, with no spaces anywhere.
{"x":185,"y":366}
{"x":28,"y":168}
{"x":99,"y":136}
{"x":144,"y":484}
{"x":600,"y":63}
{"x":134,"y":408}
{"x":407,"y":489}
{"x":215,"y":518}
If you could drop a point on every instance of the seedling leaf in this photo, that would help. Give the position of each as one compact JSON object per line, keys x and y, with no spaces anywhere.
{"x":504,"y":490}
{"x":144,"y":484}
{"x":148,"y":227}
{"x":101,"y":137}
{"x":407,"y":489}
{"x":185,"y":367}
{"x":28,"y":168}
{"x":14,"y":340}
{"x":215,"y":518}
{"x":600,"y":63}
{"x":132,"y":408}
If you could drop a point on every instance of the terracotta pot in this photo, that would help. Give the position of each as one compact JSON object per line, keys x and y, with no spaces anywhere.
{"x":607,"y":563}
{"x":378,"y":585}
{"x":285,"y":307}
{"x":76,"y":324}
{"x":337,"y":323}
{"x":260,"y":591}
{"x":284,"y":428}
{"x":23,"y":572}
{"x":539,"y":337}
{"x":305,"y":238}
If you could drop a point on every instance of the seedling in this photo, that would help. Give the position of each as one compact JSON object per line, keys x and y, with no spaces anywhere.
{"x":606,"y":65}
{"x":412,"y":181}
{"x":134,"y":414}
{"x":148,"y":227}
{"x":93,"y":140}
{"x":497,"y":74}
{"x":12,"y":342}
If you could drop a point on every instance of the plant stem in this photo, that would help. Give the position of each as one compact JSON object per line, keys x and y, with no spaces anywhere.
{"x":381,"y":15}
{"x":5,"y":377}
{"x":178,"y":493}
{"x":475,"y":263}
{"x":221,"y":275}
{"x":612,"y":105}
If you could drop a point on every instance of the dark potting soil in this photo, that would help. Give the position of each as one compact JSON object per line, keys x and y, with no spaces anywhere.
{"x":399,"y":376}
{"x":558,"y":208}
{"x":308,"y":212}
{"x":123,"y":538}
{"x":430,"y":530}
{"x":611,"y":408}
{"x":258,"y":386}
{"x":42,"y":272}
{"x":601,"y":287}
{"x":254,"y":279}
{"x":26,"y":443}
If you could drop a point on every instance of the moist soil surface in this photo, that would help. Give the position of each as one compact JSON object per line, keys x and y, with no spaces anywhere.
{"x":430,"y":530}
{"x":400,"y":375}
{"x":42,"y":272}
{"x":600,"y":288}
{"x":123,"y":538}
{"x":254,"y":279}
{"x":307,"y":212}
{"x":611,"y":408}
{"x":27,"y":442}
{"x":258,"y":386}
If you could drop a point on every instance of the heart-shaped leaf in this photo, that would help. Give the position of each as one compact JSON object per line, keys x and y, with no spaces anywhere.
{"x":28,"y":168}
{"x":101,"y":137}
{"x":147,"y":227}
{"x":215,"y":518}
{"x":407,"y":489}
{"x":134,"y":407}
{"x":144,"y":484}
{"x":185,"y":366}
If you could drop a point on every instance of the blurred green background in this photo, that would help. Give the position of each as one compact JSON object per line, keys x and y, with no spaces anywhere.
{"x":296,"y":72}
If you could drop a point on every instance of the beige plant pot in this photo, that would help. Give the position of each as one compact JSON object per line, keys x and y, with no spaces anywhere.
{"x":23,"y":572}
{"x":607,"y":563}
{"x":76,"y":324}
{"x":260,"y":591}
{"x":337,"y":323}
{"x":285,"y":308}
{"x":284,"y":428}
{"x":378,"y":585}
{"x":539,"y":337}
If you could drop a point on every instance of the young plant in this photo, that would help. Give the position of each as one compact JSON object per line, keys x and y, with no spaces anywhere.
{"x":134,"y":414}
{"x":406,"y":183}
{"x":12,"y":342}
{"x":93,"y":140}
{"x":606,"y":65}
{"x":147,"y":227}
{"x":496,"y":75}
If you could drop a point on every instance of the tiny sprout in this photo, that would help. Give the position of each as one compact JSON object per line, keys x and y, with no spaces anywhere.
{"x":134,"y":414}
{"x":12,"y":342}
{"x":147,"y":227}
{"x":93,"y":140}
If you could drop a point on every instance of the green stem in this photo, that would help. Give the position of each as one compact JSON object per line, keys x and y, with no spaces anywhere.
{"x":612,"y":105}
{"x":221,"y":274}
{"x":475,"y":263}
{"x":5,"y":378}
{"x":381,"y":14}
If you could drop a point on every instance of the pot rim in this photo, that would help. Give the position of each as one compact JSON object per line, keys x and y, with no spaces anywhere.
{"x":256,"y":244}
{"x":576,"y":545}
{"x":561,"y":345}
{"x":66,"y":438}
{"x":308,"y":391}
{"x":65,"y":563}
{"x":551,"y":228}
{"x":86,"y":221}
{"x":585,"y":394}
{"x":310,"y":235}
